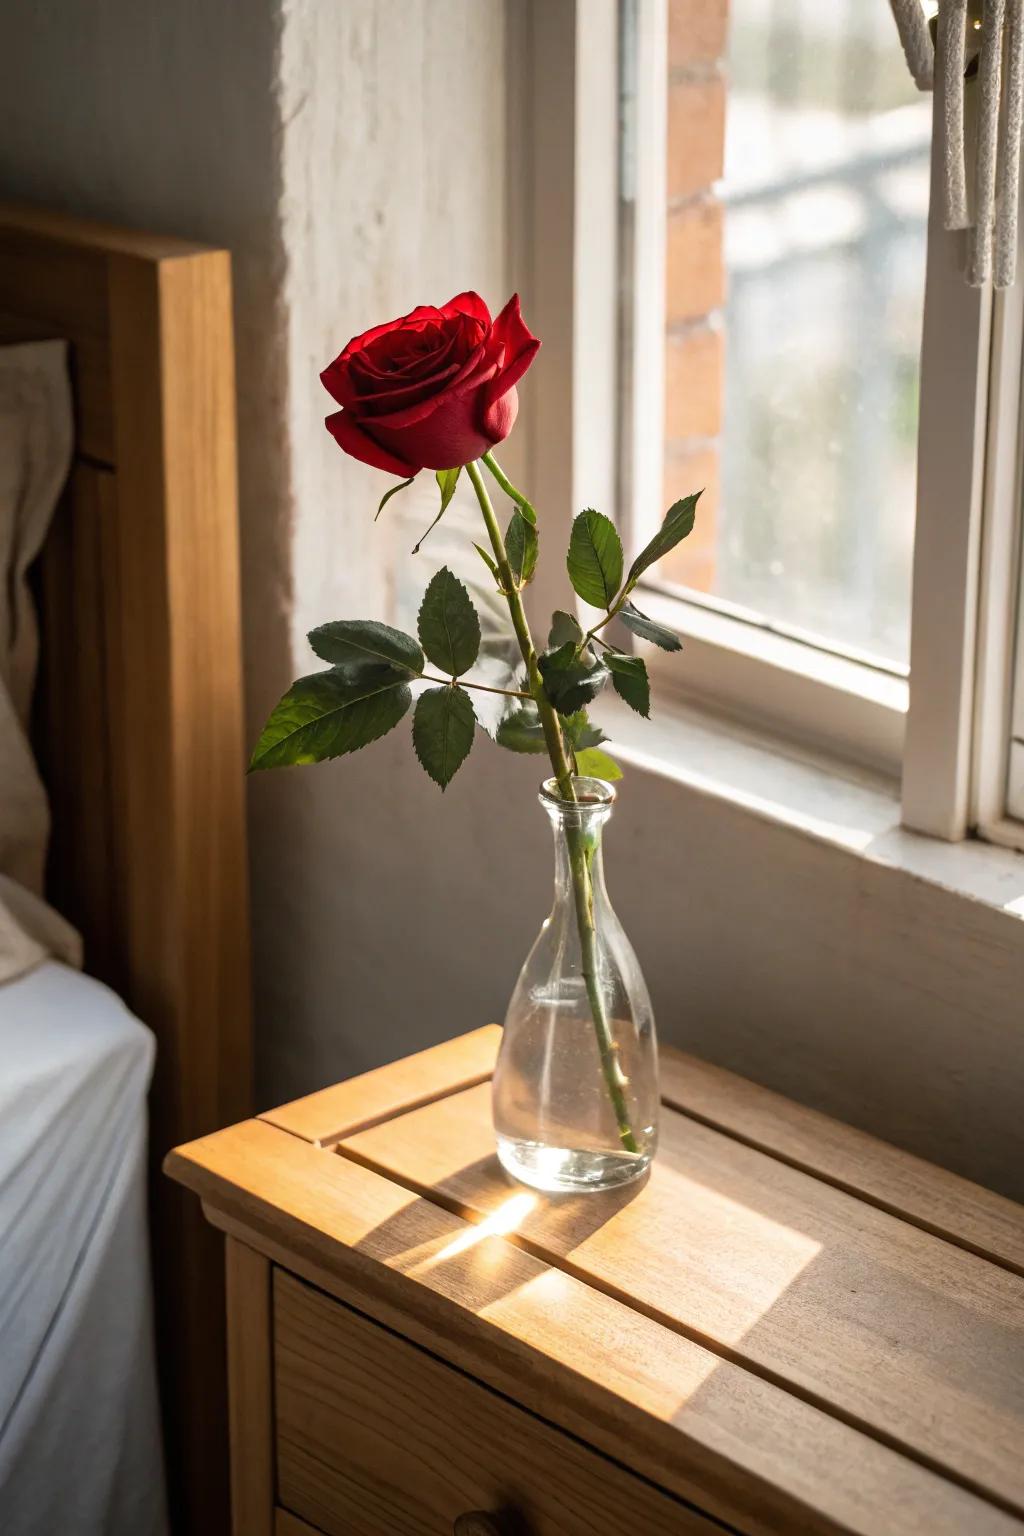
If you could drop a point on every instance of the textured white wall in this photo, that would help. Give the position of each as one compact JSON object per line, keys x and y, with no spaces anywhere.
{"x":382,"y":921}
{"x":353,"y":158}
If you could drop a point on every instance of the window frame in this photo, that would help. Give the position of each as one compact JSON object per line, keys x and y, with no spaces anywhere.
{"x":944,"y":725}
{"x":999,"y":670}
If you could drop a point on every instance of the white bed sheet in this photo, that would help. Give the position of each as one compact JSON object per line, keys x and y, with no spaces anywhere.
{"x":79,"y":1425}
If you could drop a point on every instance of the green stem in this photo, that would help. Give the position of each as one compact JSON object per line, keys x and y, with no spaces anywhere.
{"x":592,"y":634}
{"x":510,"y":693}
{"x":546,"y":710}
{"x":584,"y":894}
{"x":510,"y":490}
{"x":575,"y":837}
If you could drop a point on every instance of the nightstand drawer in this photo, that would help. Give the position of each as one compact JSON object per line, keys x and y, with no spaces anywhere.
{"x":375,"y":1437}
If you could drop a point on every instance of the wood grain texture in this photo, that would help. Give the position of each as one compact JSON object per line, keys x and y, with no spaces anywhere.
{"x":930,"y":1197}
{"x":140,"y":727}
{"x":916,"y":1342}
{"x":702,"y":1426}
{"x":375,"y":1437}
{"x":325,"y":1117}
{"x":250,"y":1382}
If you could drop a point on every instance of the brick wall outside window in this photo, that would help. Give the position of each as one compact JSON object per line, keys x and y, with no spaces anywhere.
{"x":695,"y":276}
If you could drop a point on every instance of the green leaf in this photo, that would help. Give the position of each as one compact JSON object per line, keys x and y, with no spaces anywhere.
{"x":521,"y":731}
{"x":571,"y":680}
{"x":449,"y":628}
{"x":499,"y":665}
{"x":356,"y":645}
{"x":328,"y":714}
{"x":595,"y":764}
{"x":489,"y":562}
{"x":521,"y":546}
{"x":564,"y":627}
{"x":677,"y":524}
{"x":595,"y":559}
{"x":639,"y":624}
{"x":630,"y":681}
{"x":393,"y":492}
{"x":581,"y":732}
{"x":447,"y":480}
{"x":442,"y":731}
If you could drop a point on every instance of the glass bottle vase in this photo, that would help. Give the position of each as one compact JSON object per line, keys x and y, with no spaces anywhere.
{"x":575,"y":1094}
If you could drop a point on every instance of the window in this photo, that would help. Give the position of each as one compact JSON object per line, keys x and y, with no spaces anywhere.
{"x":798,"y":338}
{"x":794,"y":297}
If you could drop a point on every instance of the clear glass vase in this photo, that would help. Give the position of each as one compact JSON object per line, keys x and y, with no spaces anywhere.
{"x":575,"y":1094}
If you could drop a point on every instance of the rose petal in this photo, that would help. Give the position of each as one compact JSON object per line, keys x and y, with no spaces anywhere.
{"x":470,"y":304}
{"x":422,"y":313}
{"x":473,"y":374}
{"x":520,"y":349}
{"x":349,"y":435}
{"x":425,"y":365}
{"x":335,"y":376}
{"x":509,"y":376}
{"x":449,"y":437}
{"x":398,"y":350}
{"x":398,"y":399}
{"x":407,"y":336}
{"x":499,"y":417}
{"x":511,"y":329}
{"x":337,"y":380}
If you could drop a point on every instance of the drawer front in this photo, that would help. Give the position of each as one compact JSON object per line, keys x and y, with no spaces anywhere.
{"x":375,"y":1437}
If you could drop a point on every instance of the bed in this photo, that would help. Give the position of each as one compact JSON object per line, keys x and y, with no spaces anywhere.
{"x":75,"y":1314}
{"x":137,"y":732}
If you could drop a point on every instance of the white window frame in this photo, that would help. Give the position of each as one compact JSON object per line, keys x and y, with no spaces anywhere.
{"x":997,"y":766}
{"x":590,"y":274}
{"x":966,"y":548}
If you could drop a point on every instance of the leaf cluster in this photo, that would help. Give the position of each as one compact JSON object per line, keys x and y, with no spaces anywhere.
{"x":577,"y":665}
{"x":367,"y":686}
{"x":366,"y":691}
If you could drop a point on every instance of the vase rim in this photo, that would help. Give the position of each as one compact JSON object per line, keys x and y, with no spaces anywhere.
{"x":594,"y":794}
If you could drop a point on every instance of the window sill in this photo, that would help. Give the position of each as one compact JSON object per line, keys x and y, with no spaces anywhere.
{"x":851,"y":707}
{"x":853,"y":810}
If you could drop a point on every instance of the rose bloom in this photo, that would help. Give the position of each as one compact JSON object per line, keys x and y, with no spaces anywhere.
{"x":434,"y":390}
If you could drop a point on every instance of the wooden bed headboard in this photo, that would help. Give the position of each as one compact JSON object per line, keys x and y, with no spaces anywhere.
{"x":140,"y":730}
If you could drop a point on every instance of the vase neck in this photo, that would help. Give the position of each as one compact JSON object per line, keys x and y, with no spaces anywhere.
{"x":578,"y":827}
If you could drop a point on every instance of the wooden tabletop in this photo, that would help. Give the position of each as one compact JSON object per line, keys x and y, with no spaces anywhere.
{"x":789,"y":1323}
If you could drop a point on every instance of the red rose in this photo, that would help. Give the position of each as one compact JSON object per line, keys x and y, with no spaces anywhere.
{"x":434,"y":390}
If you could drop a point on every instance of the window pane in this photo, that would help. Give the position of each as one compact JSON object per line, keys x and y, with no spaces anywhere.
{"x":794,"y":300}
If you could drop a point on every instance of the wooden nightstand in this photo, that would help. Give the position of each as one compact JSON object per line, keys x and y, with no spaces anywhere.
{"x":791,"y":1327}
